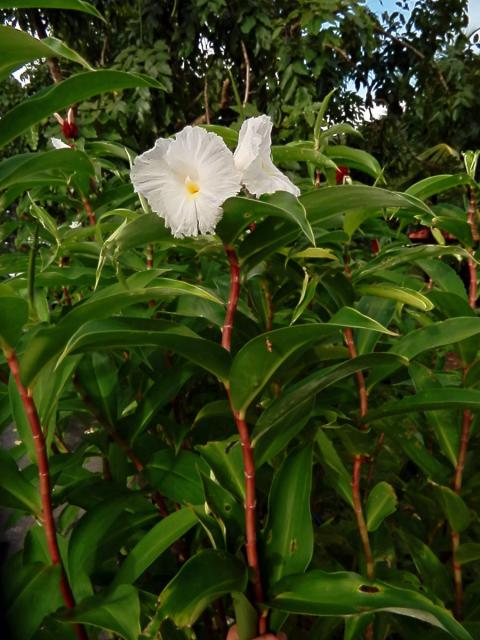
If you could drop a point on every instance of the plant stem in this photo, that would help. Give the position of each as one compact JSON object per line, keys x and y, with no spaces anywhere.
{"x":247,"y":449}
{"x":358,"y":462}
{"x":44,"y":484}
{"x":90,"y":213}
{"x":467,"y":416}
{"x":232,"y":298}
{"x":31,"y":269}
{"x":149,"y":256}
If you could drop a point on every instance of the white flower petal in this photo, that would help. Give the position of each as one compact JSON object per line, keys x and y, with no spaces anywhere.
{"x":253,"y":159}
{"x":187,"y":179}
{"x":59,"y":144}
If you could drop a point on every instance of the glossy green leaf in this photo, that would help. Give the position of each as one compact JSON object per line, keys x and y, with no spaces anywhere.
{"x":432,"y":336}
{"x":38,"y":596}
{"x":151,"y":546}
{"x":225,"y":460}
{"x":454,"y":508}
{"x":437,"y":184}
{"x":177,"y":476}
{"x":27,"y":168}
{"x":289,"y":530}
{"x":239,"y":212}
{"x":400,"y":294}
{"x":301,"y":153}
{"x":258,"y":360}
{"x":381,"y":503}
{"x":432,"y":571}
{"x":321,"y":205}
{"x":334,"y":467}
{"x":354,"y":158}
{"x":282,"y":420}
{"x":48,"y":343}
{"x":86,"y":538}
{"x":13,"y":316}
{"x":245,"y":616}
{"x":202,"y":579}
{"x":15,"y":491}
{"x":121,"y":333}
{"x":344,"y":594}
{"x":61,"y":95}
{"x":443,"y":277}
{"x":431,"y":400}
{"x":18,"y":47}
{"x":71,"y":5}
{"x":117,"y":611}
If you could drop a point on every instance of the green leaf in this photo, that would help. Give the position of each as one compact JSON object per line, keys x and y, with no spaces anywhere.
{"x":202,"y":579}
{"x":345,"y":594}
{"x":444,"y":277}
{"x":382,"y":502}
{"x":468,"y":552}
{"x":48,"y":343}
{"x":400,"y":294}
{"x":334,"y":467}
{"x":434,"y":185}
{"x":432,"y":336}
{"x":27,"y":169}
{"x":245,"y":616}
{"x":240,"y":212}
{"x":454,"y":508}
{"x":38,"y":596}
{"x":431,"y":400}
{"x":72,"y":5}
{"x":61,"y":95}
{"x":354,"y":158}
{"x":431,"y":570}
{"x":287,"y":415}
{"x":15,"y":491}
{"x":301,"y":153}
{"x":321,"y":205}
{"x":289,"y":530}
{"x":18,"y":47}
{"x":122,"y":333}
{"x":115,"y":610}
{"x":257,"y":361}
{"x":226,"y":463}
{"x":177,"y":476}
{"x":153,"y":544}
{"x":86,"y":539}
{"x":13,"y":316}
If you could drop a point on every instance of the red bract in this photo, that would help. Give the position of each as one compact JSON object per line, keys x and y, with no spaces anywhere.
{"x":374,"y":246}
{"x":341,"y":173}
{"x":70,"y":130}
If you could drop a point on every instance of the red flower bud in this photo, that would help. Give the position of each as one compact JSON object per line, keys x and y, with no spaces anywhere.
{"x":422,"y":234}
{"x":341,"y":174}
{"x":70,"y":130}
{"x":374,"y":246}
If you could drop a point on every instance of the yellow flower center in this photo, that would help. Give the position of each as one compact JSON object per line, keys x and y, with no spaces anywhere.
{"x":192,"y":187}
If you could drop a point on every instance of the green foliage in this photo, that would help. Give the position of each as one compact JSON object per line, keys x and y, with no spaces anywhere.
{"x":353,"y":365}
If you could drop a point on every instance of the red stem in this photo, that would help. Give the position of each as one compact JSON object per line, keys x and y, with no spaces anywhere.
{"x":149,"y":256}
{"x":467,"y":416}
{"x":90,"y":213}
{"x":357,"y":464}
{"x":232,"y":298}
{"x":44,"y":485}
{"x":247,"y":450}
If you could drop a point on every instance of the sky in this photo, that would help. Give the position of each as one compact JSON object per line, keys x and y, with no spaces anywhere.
{"x":473,"y":8}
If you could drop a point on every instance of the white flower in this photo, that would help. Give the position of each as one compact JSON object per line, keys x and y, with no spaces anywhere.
{"x":186,"y":180}
{"x":59,"y":144}
{"x":254,"y":160}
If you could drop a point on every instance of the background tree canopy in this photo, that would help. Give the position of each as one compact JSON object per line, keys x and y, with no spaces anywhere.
{"x":217,"y":58}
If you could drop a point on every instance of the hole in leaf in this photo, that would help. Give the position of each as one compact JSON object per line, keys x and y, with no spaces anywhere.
{"x":365,"y":588}
{"x":227,"y":507}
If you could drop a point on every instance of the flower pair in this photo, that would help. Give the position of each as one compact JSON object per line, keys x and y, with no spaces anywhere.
{"x":187,"y":179}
